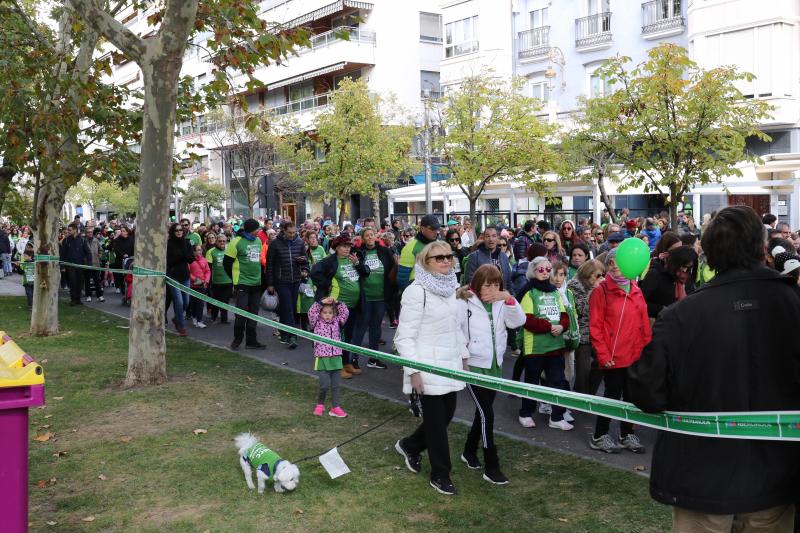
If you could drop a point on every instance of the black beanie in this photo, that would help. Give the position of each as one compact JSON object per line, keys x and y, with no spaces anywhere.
{"x":250,"y":225}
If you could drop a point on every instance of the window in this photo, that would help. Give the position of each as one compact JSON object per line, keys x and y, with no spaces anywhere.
{"x":430,"y":27}
{"x":538,"y":18}
{"x":598,"y":87}
{"x":461,"y":37}
{"x":351,"y":20}
{"x":594,"y":7}
{"x":540,"y":90}
{"x":337,"y":80}
{"x":764,"y":51}
{"x":429,"y":81}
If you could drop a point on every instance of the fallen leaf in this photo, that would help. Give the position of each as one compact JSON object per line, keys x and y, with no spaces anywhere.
{"x":364,"y":425}
{"x":563,"y":520}
{"x":42,"y":484}
{"x":60,"y":453}
{"x":88,"y":519}
{"x":248,"y":378}
{"x":102,"y":477}
{"x":44,"y":437}
{"x":51,"y":523}
{"x":125,"y":438}
{"x":52,"y":481}
{"x":43,"y":361}
{"x":199,"y":431}
{"x":58,"y":397}
{"x":47,"y":416}
{"x":640,"y":468}
{"x":44,"y":426}
{"x":74,"y":430}
{"x":298,"y":511}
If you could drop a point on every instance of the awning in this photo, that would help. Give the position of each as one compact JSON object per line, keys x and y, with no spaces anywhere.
{"x":325,"y":11}
{"x":307,"y":75}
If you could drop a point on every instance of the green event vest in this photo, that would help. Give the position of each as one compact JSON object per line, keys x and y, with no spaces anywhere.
{"x":215,"y":257}
{"x":262,"y":458}
{"x":546,"y":305}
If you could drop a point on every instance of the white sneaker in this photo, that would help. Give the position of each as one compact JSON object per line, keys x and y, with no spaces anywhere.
{"x":563,"y":425}
{"x":545,"y":408}
{"x":194,"y":322}
{"x":516,"y":353}
{"x":101,"y":299}
{"x":568,"y":416}
{"x":88,"y":299}
{"x":527,"y":422}
{"x":199,"y":325}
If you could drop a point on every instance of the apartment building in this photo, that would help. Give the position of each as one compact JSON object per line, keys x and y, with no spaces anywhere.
{"x":394,"y":46}
{"x":557,"y":45}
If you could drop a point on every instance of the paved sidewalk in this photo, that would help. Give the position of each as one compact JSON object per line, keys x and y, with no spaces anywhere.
{"x":388,"y":384}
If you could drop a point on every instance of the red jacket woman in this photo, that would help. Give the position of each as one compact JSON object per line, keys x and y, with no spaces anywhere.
{"x":618,"y":324}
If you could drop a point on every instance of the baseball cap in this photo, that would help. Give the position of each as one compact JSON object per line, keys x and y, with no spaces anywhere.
{"x":430,"y":221}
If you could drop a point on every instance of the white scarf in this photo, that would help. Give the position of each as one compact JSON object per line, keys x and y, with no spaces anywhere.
{"x":443,"y":285}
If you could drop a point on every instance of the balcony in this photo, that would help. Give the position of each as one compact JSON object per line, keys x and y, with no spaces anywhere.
{"x":330,"y":37}
{"x":662,"y":18}
{"x":533,"y":43}
{"x":593,"y":32}
{"x":304,"y":104}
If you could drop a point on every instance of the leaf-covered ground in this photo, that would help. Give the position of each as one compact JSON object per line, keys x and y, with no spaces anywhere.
{"x":131,"y":460}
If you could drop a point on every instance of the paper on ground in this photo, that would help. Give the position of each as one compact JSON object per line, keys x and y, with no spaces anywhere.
{"x":333,"y":463}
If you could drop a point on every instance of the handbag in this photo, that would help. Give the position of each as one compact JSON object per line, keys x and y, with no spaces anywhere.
{"x":269,"y":302}
{"x":572,"y":337}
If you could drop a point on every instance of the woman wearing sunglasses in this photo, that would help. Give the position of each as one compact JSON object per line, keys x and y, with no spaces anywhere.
{"x":555,"y":252}
{"x":453,"y":238}
{"x":430,"y":332}
{"x":543,"y":340}
{"x":568,"y":236}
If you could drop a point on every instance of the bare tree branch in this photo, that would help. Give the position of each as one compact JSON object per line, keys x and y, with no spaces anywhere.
{"x":131,"y":45}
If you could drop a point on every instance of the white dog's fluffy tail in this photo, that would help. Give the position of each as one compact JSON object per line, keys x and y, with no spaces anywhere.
{"x":244,"y":441}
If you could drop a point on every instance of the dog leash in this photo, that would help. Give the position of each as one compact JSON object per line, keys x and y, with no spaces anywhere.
{"x":373,"y":428}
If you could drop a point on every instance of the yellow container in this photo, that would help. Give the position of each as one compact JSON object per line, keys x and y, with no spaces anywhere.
{"x":17,"y":369}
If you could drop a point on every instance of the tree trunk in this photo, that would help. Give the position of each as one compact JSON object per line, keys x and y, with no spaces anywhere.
{"x":601,"y":184}
{"x":376,"y":205}
{"x":342,"y":210}
{"x":473,"y":207}
{"x":673,"y":208}
{"x":47,"y":212}
{"x":147,"y":346}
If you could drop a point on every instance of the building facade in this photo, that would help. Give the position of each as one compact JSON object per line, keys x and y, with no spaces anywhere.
{"x":394,"y":46}
{"x":556,"y":46}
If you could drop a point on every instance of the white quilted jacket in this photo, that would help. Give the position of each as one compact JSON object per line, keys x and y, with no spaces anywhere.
{"x":430,"y":332}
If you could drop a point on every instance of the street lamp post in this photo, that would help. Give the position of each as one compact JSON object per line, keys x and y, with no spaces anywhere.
{"x":426,"y":135}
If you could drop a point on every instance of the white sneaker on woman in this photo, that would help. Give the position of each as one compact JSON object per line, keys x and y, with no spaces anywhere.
{"x":545,"y":408}
{"x":527,"y":422}
{"x":568,"y":416}
{"x":563,"y":425}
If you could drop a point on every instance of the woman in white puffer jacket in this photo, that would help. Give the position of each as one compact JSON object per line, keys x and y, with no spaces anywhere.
{"x":430,"y":332}
{"x":489,"y":311}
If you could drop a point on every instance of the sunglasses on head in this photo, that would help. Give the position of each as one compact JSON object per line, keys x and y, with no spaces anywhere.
{"x":549,"y":239}
{"x":442,"y":258}
{"x":542,"y":270}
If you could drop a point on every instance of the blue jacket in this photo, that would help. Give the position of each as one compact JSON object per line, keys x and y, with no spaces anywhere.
{"x":481,"y":256}
{"x":653,"y":235}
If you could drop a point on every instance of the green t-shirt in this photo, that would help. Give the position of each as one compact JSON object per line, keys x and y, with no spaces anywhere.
{"x":495,"y":370}
{"x":373,"y":284}
{"x":344,"y":286}
{"x":317,"y":254}
{"x":218,"y":275}
{"x":194,"y":238}
{"x":259,"y":456}
{"x":29,"y":272}
{"x":247,"y":264}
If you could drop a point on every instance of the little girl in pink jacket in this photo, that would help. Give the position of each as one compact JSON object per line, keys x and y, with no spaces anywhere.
{"x":326,"y":319}
{"x":199,"y":277}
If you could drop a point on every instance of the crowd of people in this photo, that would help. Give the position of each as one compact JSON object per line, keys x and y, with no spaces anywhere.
{"x":554,"y":299}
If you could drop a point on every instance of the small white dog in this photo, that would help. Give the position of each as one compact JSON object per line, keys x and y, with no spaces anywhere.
{"x":268,"y":465}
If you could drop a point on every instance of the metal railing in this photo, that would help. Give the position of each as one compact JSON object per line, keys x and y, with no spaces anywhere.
{"x":329,"y":37}
{"x":532,"y":43}
{"x":594,"y":29}
{"x":303,"y":104}
{"x":660,"y":15}
{"x":554,"y":218}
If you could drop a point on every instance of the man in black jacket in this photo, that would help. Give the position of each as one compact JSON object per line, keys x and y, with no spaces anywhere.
{"x":525,"y":238}
{"x":74,"y":250}
{"x":724,"y":349}
{"x":285,"y":259}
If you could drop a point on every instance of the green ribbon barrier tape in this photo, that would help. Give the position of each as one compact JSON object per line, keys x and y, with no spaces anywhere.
{"x":782,"y":425}
{"x":748,"y":425}
{"x":136,"y":271}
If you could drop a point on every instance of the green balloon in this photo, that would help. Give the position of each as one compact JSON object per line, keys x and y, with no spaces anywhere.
{"x":633,"y":256}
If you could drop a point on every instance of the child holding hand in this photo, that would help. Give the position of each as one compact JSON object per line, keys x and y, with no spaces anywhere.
{"x":200,"y":276}
{"x":326,"y":319}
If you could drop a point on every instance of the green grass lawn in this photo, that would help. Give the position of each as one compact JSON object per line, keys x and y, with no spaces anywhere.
{"x":130,"y":459}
